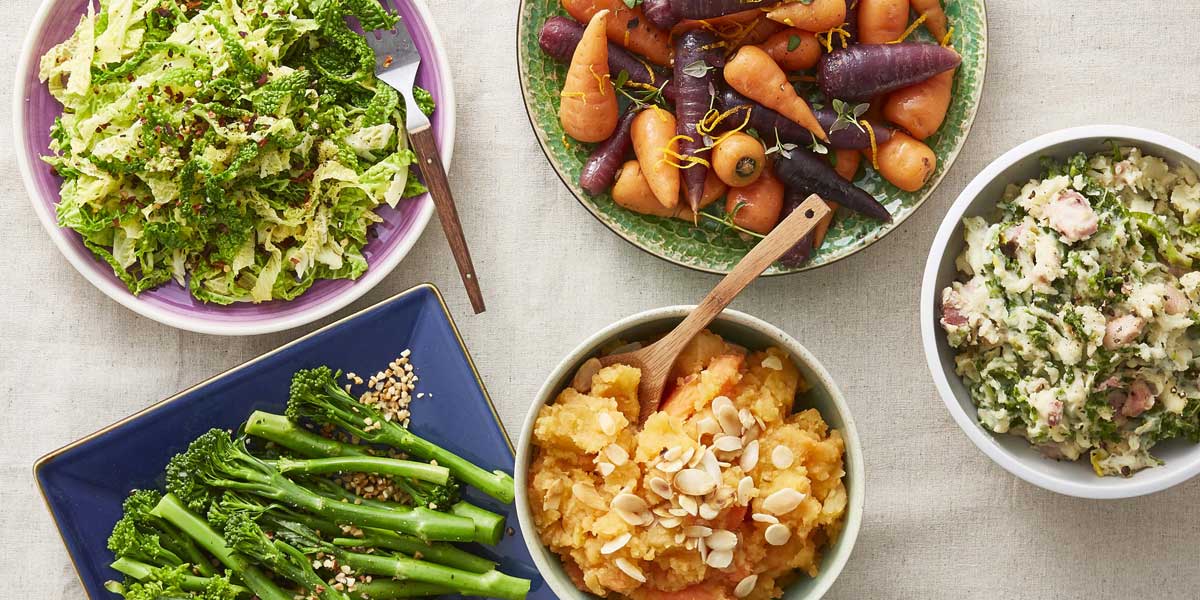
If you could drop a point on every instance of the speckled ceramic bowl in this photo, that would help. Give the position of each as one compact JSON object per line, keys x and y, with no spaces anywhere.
{"x":711,"y":248}
{"x":749,"y":332}
{"x":34,"y":110}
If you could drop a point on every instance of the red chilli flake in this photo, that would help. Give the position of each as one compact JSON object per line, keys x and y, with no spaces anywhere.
{"x":262,"y":79}
{"x":387,"y":61}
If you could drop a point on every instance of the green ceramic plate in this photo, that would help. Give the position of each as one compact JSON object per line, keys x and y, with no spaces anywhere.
{"x":708,"y":247}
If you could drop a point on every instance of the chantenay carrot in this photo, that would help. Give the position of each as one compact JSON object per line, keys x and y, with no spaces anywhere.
{"x":815,"y":16}
{"x":739,"y":159}
{"x":906,"y":162}
{"x":757,"y":206}
{"x":935,"y":17}
{"x":657,"y":150}
{"x":588,"y":104}
{"x":921,"y":108}
{"x":793,"y":49}
{"x":881,"y":21}
{"x":752,"y":73}
{"x":627,"y":27}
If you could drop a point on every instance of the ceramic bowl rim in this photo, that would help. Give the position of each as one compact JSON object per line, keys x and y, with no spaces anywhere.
{"x":856,"y":469}
{"x":1147,"y":482}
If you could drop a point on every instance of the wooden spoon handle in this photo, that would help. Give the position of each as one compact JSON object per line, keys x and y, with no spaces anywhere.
{"x":785,"y":235}
{"x":430,"y":161}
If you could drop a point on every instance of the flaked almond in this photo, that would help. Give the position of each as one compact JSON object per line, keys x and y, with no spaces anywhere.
{"x":662,"y":511}
{"x":588,"y":495}
{"x":722,"y":540}
{"x":615,"y":544}
{"x":670,"y":522}
{"x":731,"y":424}
{"x":680,"y":538}
{"x":687,"y":455}
{"x":631,"y":570}
{"x":727,"y":443}
{"x":679,"y":511}
{"x":745,"y":586}
{"x":723,"y":497}
{"x":746,"y":417}
{"x":783,"y":502}
{"x":708,"y":512}
{"x":673,"y":453}
{"x":702,"y":546}
{"x":689,"y":505}
{"x":721,"y":403}
{"x":711,"y":465}
{"x":629,"y":503}
{"x":697,"y":531}
{"x":778,"y":534}
{"x":616,"y":454}
{"x":662,"y":487}
{"x":749,"y":458}
{"x":782,"y":457}
{"x":694,"y":482}
{"x":772,"y":362}
{"x":607,"y":424}
{"x":697,"y":457}
{"x":708,"y":426}
{"x":605,"y":468}
{"x":764,"y":518}
{"x":719,"y":559}
{"x":670,"y":466}
{"x":582,"y":382}
{"x":745,"y":490}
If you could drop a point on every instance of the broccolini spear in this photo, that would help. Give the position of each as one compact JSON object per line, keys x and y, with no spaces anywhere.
{"x":172,"y":510}
{"x":244,"y":535}
{"x":387,"y":589}
{"x":215,"y":462}
{"x":362,"y":464}
{"x":492,"y":584}
{"x":180,"y":576}
{"x":142,"y":537}
{"x":315,"y":394}
{"x":489,"y":526}
{"x":173,"y":583}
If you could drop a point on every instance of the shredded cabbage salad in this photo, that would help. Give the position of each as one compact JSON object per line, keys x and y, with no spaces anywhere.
{"x":239,"y":147}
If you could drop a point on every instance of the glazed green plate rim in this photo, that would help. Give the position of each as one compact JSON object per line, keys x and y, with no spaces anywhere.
{"x":847,"y":248}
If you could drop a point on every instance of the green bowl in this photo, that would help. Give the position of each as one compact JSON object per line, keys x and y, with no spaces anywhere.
{"x":710,"y":247}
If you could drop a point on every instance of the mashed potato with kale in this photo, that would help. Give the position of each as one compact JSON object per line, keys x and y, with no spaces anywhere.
{"x":724,"y":493}
{"x":1074,"y":317}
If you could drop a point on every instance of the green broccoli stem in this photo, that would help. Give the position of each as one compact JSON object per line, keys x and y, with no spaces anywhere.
{"x":419,"y":521}
{"x":442,"y":554}
{"x":489,"y":526}
{"x":141,"y":571}
{"x":287,"y":433}
{"x":362,"y":464}
{"x":186,"y":548}
{"x":492,"y":584}
{"x":484,"y":535}
{"x":385,"y":589}
{"x":175,"y":513}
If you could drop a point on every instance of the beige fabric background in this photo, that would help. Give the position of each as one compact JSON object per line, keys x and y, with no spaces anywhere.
{"x":942,"y":520}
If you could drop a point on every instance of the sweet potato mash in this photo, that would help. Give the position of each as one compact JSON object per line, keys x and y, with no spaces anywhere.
{"x":724,"y":493}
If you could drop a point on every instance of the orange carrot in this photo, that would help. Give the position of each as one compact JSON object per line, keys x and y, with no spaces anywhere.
{"x":881,"y":21}
{"x":627,"y":27}
{"x":654,"y":144}
{"x":713,"y":188}
{"x":906,"y":162}
{"x":818,"y":15}
{"x":752,"y":73}
{"x":633,"y":192}
{"x":739,"y":159}
{"x":805,"y":49}
{"x":921,"y":108}
{"x":587,"y":107}
{"x":935,"y":17}
{"x":761,"y":204}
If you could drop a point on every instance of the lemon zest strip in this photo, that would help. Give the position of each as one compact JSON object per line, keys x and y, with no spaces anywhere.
{"x":874,"y":147}
{"x":911,"y":28}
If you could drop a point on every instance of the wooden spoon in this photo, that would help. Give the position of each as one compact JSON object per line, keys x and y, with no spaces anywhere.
{"x":655,"y":361}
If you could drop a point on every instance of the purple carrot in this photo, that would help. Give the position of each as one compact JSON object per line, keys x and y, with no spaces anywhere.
{"x":560,"y":36}
{"x":849,"y":137}
{"x":804,"y":171}
{"x":799,"y":254}
{"x":867,"y":70}
{"x":601,"y":167}
{"x":851,"y":24}
{"x":660,"y":13}
{"x":708,"y":9}
{"x":698,"y":54}
{"x":763,"y":120}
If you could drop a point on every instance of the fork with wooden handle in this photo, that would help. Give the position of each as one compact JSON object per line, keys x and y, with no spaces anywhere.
{"x":396,"y":64}
{"x":655,"y":361}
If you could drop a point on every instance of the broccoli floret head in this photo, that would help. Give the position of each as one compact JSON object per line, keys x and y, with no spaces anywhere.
{"x":315,"y":394}
{"x":130,"y":540}
{"x":431,"y":495}
{"x":167,"y":584}
{"x":213,"y":462}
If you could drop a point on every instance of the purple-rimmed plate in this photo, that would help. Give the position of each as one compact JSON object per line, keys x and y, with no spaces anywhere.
{"x":34,"y":112}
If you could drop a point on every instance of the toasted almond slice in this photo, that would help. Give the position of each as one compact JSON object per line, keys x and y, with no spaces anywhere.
{"x":708,"y":426}
{"x":702,"y":546}
{"x":722,"y":540}
{"x":631,"y":570}
{"x":662,"y":487}
{"x":606,"y":468}
{"x":697,"y":531}
{"x":588,"y":495}
{"x":629,"y":503}
{"x":670,"y":522}
{"x":783,"y":501}
{"x":749,"y":458}
{"x":687,"y":455}
{"x":711,"y":465}
{"x":694,"y":482}
{"x":617,"y":454}
{"x":680,"y":538}
{"x":689,"y":505}
{"x":708,"y":512}
{"x":746,"y":417}
{"x":690,"y":544}
{"x":731,"y":424}
{"x":719,"y":559}
{"x":670,"y":466}
{"x":662,"y":511}
{"x":745,"y":586}
{"x":721,"y":403}
{"x":764,"y":518}
{"x":607,"y":424}
{"x":773,"y":363}
{"x":673,"y":453}
{"x":744,"y":490}
{"x":616,"y":543}
{"x":647,"y":519}
{"x":582,"y":382}
{"x":680,"y":511}
{"x":778,"y":534}
{"x":728,"y":443}
{"x":782,"y":457}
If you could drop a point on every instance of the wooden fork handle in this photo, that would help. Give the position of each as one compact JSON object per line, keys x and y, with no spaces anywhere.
{"x":434,"y":173}
{"x":791,"y":230}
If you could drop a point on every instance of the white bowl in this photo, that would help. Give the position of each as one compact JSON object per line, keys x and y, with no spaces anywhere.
{"x":1182,"y":459}
{"x":751,"y":333}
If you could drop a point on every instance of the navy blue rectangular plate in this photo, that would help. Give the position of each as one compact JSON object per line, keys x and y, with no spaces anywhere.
{"x":85,"y":482}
